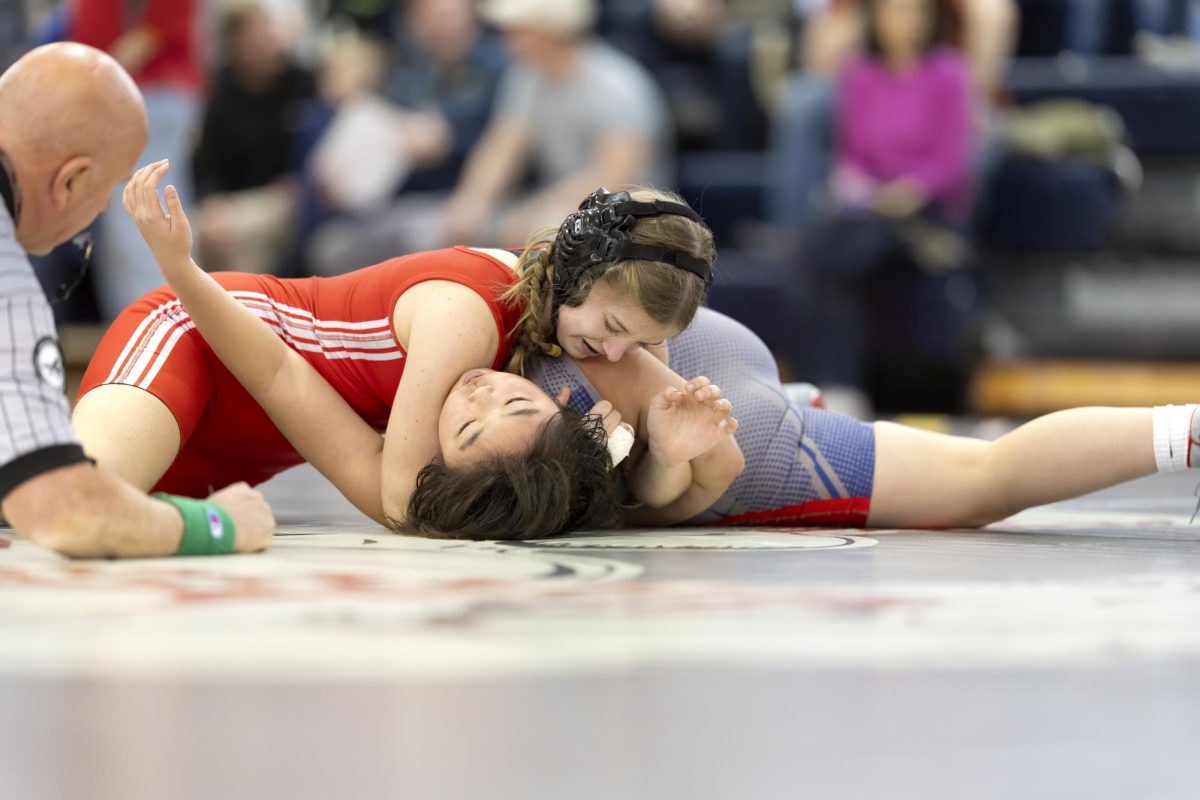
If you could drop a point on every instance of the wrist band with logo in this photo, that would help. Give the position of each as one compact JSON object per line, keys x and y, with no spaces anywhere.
{"x":207,"y":528}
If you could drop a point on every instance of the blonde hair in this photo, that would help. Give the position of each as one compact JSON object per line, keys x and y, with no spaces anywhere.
{"x":669,"y":295}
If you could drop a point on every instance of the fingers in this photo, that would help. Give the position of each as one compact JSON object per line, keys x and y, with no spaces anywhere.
{"x":127,"y":197}
{"x":174,"y":205}
{"x":149,"y":189}
{"x":704,"y":390}
{"x":610,"y":416}
{"x":563,"y":396}
{"x":140,"y":196}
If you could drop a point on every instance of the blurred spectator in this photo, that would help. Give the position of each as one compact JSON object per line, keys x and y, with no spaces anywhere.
{"x":803,"y":133}
{"x":244,"y":165}
{"x":415,"y":123}
{"x":901,"y":183}
{"x":13,"y":32}
{"x":1108,"y":27}
{"x":704,"y":54}
{"x":157,"y":42}
{"x":577,"y":111}
{"x":447,"y":68}
{"x":373,"y":17}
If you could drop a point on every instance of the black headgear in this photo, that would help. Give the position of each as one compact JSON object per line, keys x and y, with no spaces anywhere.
{"x":598,"y":234}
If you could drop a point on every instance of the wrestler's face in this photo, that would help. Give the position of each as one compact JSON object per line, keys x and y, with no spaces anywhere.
{"x":609,"y":326}
{"x":491,"y":413}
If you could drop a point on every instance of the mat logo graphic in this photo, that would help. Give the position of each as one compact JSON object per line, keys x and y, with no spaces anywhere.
{"x":708,"y":539}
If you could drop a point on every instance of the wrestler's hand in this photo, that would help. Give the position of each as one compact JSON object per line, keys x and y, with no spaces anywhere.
{"x":682,"y":425}
{"x":251,"y":516}
{"x":167,"y":233}
{"x":610,"y":416}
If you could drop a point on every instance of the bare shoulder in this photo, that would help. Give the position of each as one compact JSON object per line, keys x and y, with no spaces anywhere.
{"x":457,"y":310}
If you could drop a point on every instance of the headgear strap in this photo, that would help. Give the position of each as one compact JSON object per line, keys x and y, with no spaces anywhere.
{"x":598,"y":234}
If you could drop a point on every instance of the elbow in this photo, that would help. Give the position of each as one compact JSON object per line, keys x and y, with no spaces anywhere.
{"x":733,"y":464}
{"x":67,"y":533}
{"x":737,"y":466}
{"x":390,"y":515}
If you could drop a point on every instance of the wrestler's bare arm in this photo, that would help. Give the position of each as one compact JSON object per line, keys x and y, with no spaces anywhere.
{"x":317,"y":421}
{"x":680,"y":490}
{"x":446,"y":329}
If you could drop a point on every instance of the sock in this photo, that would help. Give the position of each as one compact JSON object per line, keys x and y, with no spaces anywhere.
{"x":1176,"y":437}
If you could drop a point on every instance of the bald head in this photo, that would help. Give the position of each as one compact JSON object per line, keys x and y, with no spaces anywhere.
{"x":74,"y":123}
{"x":68,"y":99}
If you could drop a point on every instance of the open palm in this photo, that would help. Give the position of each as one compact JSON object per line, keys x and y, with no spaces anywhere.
{"x":682,"y":425}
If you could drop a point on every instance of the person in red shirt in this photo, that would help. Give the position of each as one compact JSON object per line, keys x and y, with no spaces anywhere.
{"x":389,"y":342}
{"x":157,"y":42}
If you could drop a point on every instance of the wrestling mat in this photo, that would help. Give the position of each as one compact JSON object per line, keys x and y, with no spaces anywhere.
{"x":970,"y":646}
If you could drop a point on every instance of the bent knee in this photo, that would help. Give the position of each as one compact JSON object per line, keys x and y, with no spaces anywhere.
{"x":129,"y":431}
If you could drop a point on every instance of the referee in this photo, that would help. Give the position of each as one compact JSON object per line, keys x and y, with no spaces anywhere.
{"x":72,"y":125}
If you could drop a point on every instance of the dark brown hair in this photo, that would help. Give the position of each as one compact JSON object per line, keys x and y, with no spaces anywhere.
{"x":564,"y":482}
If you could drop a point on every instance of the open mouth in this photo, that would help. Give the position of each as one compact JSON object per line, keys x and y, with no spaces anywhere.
{"x":471,"y":377}
{"x":587,"y":347}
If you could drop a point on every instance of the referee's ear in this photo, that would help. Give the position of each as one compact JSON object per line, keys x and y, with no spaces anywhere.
{"x":73,"y":182}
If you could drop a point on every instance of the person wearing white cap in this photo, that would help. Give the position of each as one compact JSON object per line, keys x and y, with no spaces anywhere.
{"x":575,"y":110}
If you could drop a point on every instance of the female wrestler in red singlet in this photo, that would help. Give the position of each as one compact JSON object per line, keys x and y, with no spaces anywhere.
{"x":159,"y":408}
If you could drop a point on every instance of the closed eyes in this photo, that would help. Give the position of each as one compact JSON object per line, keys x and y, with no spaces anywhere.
{"x":467,"y":424}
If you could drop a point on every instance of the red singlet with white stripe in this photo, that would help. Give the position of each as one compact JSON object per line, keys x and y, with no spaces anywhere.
{"x":341,"y":325}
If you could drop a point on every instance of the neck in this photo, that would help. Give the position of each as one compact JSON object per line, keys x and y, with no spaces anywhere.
{"x":902,"y":61}
{"x":560,"y":64}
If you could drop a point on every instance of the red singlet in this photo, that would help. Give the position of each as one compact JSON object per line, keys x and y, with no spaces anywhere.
{"x":341,"y":325}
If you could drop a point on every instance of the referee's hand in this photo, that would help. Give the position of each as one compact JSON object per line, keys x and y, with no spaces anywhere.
{"x":167,"y":231}
{"x":251,"y":515}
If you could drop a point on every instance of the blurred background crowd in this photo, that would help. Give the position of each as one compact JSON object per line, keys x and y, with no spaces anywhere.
{"x":912,"y":198}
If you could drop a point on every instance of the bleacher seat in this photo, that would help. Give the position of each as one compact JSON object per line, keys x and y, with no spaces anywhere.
{"x":1049,"y":205}
{"x":1161,"y":109}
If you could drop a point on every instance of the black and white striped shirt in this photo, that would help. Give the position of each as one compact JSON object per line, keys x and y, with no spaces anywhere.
{"x":35,"y":422}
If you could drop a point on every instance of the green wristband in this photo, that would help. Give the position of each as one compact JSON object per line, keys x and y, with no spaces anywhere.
{"x":207,"y":528}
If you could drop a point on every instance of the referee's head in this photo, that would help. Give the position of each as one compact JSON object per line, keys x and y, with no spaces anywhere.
{"x":72,"y":125}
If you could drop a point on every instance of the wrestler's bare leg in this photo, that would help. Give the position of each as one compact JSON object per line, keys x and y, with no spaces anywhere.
{"x":930,"y":480}
{"x":129,"y":431}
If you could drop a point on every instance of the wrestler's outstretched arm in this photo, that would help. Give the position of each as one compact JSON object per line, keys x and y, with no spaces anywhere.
{"x":315,"y":418}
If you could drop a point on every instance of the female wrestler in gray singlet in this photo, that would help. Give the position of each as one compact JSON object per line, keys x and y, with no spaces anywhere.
{"x":804,"y":466}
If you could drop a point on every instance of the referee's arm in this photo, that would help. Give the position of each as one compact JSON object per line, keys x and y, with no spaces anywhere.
{"x":50,"y":491}
{"x":83,"y":512}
